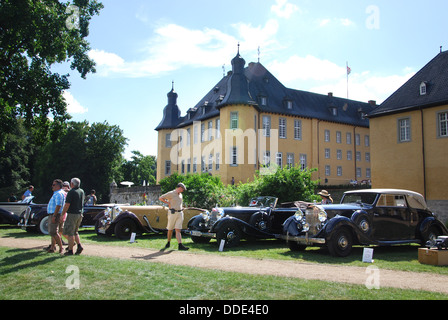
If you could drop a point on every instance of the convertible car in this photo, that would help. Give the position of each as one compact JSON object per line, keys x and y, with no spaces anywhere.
{"x":36,"y":217}
{"x":364,"y":217}
{"x":125,"y":220}
{"x":262,"y":219}
{"x":11,"y":212}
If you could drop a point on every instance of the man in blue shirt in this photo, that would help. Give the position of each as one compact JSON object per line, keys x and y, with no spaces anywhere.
{"x":54,"y":209}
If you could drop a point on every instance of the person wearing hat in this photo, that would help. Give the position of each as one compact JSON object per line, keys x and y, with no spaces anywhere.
{"x":326,"y":197}
{"x":175,"y":216}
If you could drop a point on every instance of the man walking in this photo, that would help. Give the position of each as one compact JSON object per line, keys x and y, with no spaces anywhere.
{"x":176,"y":216}
{"x":74,"y":207}
{"x":54,"y":209}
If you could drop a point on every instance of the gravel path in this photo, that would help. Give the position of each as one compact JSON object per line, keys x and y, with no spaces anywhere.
{"x":370,"y":275}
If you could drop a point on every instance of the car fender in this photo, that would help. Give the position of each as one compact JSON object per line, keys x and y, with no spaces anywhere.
{"x":100,"y":215}
{"x":193,"y":223}
{"x":363,"y":222}
{"x":245,"y":227}
{"x":427,"y":223}
{"x":127,"y":215}
{"x":341,"y":221}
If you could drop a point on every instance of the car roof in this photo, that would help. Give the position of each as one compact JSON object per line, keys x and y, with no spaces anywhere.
{"x":416,"y":200}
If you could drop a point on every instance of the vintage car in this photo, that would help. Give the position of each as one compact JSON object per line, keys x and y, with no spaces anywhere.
{"x":125,"y":220}
{"x":11,"y":212}
{"x":36,"y":217}
{"x":262,"y":219}
{"x":364,"y":217}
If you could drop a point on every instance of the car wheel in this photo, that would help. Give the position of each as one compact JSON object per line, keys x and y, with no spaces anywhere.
{"x":259,"y":221}
{"x":230,"y":233}
{"x":431,"y":235}
{"x":340,"y":243}
{"x":124,"y":228}
{"x":43,"y":225}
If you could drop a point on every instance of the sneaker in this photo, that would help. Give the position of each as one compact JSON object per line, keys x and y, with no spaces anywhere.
{"x":182,"y":247}
{"x":79,"y":250}
{"x":167,"y":245}
{"x":68,"y":253}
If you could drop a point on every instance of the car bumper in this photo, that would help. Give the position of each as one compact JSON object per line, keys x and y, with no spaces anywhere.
{"x":303,"y":239}
{"x":196,"y":233}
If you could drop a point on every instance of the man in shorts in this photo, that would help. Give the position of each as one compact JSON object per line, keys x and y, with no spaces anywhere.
{"x":54,"y":209}
{"x":175,"y":216}
{"x":74,"y":207}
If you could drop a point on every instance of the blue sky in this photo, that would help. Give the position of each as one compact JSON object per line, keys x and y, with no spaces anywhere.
{"x":141,"y":46}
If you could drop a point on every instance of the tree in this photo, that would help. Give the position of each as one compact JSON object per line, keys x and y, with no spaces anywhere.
{"x":15,"y":162}
{"x":89,"y":152}
{"x":34,"y":35}
{"x":140,"y":168}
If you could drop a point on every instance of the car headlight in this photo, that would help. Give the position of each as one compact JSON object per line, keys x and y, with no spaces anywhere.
{"x":306,"y":227}
{"x":298,"y":215}
{"x":322,"y":215}
{"x":205,"y":215}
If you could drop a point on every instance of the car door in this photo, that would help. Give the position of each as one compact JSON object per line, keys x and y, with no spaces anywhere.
{"x":391,"y":218}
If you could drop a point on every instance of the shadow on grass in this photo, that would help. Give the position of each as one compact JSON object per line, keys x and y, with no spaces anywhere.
{"x":25,"y":259}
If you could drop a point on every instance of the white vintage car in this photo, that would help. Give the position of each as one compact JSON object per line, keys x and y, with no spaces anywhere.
{"x":17,"y":208}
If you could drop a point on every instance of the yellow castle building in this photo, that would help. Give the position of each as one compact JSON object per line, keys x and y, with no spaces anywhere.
{"x":249,"y":121}
{"x":409,"y":136}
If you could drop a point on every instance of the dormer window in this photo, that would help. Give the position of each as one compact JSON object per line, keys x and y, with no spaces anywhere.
{"x":289,"y":104}
{"x":423,"y":88}
{"x":334,"y":111}
{"x":263,"y":100}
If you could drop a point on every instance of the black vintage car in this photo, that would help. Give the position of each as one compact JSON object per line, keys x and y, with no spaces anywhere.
{"x":36,"y":217}
{"x":262,"y":219}
{"x":364,"y":217}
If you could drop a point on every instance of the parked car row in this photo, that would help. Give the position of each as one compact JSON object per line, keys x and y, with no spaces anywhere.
{"x":364,"y":217}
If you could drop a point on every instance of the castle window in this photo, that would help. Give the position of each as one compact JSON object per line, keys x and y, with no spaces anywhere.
{"x":266,"y":126}
{"x":282,"y":128}
{"x":168,"y":140}
{"x":233,"y":120}
{"x":442,"y":124}
{"x":423,"y":88}
{"x":404,"y":130}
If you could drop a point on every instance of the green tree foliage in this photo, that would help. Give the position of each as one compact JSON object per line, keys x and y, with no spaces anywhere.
{"x":206,"y":191}
{"x":287,"y":184}
{"x":89,"y":152}
{"x":34,"y":35}
{"x":15,"y":162}
{"x":140,"y":168}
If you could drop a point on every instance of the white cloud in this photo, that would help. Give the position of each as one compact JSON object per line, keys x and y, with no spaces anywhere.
{"x":73,"y":106}
{"x":306,"y":68}
{"x":283,"y":9}
{"x":335,"y":22}
{"x":322,"y":76}
{"x":175,"y":46}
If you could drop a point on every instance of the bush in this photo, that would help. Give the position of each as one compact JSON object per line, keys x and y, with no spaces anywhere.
{"x":287,"y":185}
{"x":206,"y":191}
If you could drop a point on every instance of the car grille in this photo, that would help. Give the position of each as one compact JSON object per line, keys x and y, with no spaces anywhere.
{"x":312,"y":218}
{"x":214,"y":216}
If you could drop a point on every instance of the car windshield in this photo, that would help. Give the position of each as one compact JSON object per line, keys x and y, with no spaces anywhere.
{"x":263,"y":202}
{"x":360,"y":198}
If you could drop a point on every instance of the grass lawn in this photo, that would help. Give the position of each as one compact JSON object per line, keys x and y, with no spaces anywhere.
{"x":34,"y":274}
